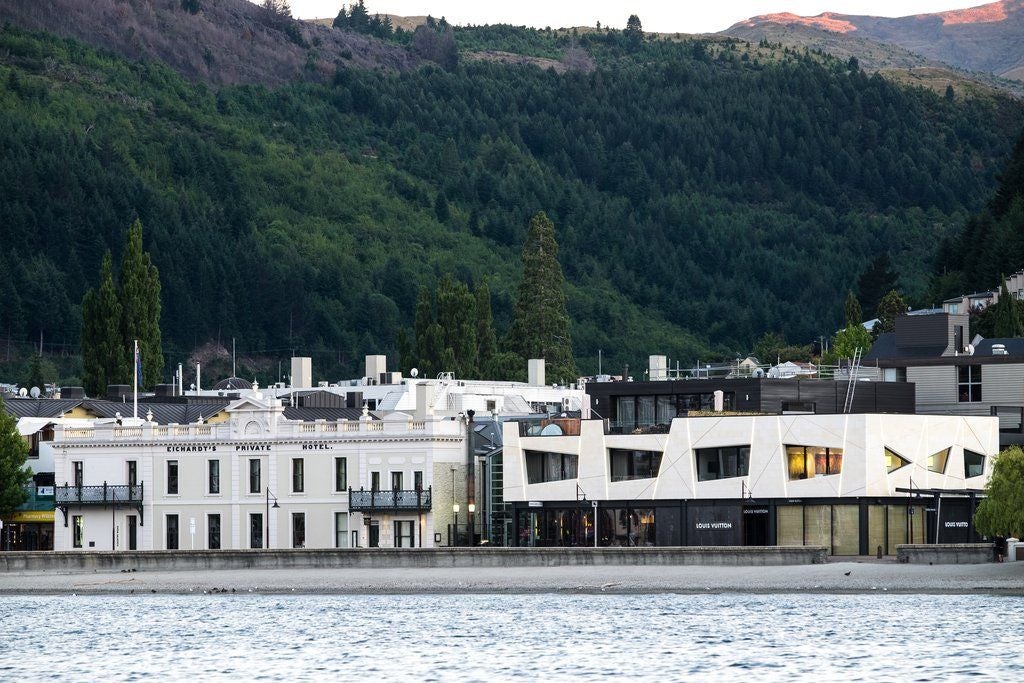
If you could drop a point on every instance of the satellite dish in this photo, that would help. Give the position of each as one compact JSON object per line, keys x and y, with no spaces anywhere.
{"x":35,"y":392}
{"x":969,"y":349}
{"x":415,"y":373}
{"x":23,"y":392}
{"x":758,"y":372}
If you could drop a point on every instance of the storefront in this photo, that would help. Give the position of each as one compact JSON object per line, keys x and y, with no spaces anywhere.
{"x":28,"y":530}
{"x":844,"y":526}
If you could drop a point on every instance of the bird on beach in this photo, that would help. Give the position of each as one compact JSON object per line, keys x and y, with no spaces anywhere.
{"x":848,"y":573}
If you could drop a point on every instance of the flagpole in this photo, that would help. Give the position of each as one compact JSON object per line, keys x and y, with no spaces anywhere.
{"x":135,"y":384}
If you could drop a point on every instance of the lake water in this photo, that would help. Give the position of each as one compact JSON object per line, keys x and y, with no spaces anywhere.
{"x":501,"y":637}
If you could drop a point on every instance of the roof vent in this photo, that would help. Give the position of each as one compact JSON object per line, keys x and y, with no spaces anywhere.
{"x":999,"y":350}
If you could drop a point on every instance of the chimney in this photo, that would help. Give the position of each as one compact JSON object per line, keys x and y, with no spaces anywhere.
{"x":535,"y":371}
{"x":658,"y":368}
{"x":375,"y":367}
{"x":302,"y":373}
{"x":424,"y":400}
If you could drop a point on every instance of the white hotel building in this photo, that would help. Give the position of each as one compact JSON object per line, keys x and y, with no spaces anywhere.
{"x":248,"y":477}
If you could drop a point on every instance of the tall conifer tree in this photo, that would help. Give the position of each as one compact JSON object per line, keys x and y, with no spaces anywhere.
{"x":140,"y":299}
{"x":486,"y":341}
{"x":540,"y":328}
{"x":104,"y":355}
{"x":14,"y":474}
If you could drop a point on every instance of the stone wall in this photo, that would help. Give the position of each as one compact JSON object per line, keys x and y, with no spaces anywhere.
{"x":945,"y":553}
{"x":164,"y":560}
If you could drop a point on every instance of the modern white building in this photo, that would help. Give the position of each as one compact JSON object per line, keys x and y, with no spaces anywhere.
{"x":852,"y":483}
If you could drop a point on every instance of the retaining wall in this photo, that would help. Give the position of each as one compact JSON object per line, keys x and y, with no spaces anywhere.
{"x":945,"y":553}
{"x":164,"y":560}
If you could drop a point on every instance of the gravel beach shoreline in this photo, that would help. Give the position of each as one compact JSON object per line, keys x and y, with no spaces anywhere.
{"x":833,"y":577}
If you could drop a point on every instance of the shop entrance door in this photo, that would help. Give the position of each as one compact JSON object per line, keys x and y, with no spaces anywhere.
{"x":133,"y":532}
{"x":374,"y":534}
{"x":755,"y":525}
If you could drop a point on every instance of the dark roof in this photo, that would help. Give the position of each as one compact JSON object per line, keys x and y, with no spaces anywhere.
{"x":40,"y":407}
{"x":163,"y":413}
{"x":232,"y":383}
{"x":885,"y":348}
{"x":310,"y":414}
{"x":1014,"y":346}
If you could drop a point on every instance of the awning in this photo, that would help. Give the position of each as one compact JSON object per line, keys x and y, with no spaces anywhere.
{"x":31,"y":516}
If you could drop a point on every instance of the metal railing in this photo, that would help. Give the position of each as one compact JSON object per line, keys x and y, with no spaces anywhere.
{"x":395,"y":499}
{"x":105,"y":494}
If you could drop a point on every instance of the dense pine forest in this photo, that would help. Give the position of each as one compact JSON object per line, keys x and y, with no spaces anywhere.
{"x":701,"y":195}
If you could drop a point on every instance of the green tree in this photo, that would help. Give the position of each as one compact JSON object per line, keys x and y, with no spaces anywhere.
{"x":1006,"y":315}
{"x":14,"y":474}
{"x":40,"y":372}
{"x":456,"y":311}
{"x":634,"y":30}
{"x":104,"y":354}
{"x":848,"y":340}
{"x":891,"y":306}
{"x":540,"y":327}
{"x":486,"y":340}
{"x":1002,"y":511}
{"x":426,"y":363}
{"x":140,"y":302}
{"x":877,"y":279}
{"x":853,"y":313}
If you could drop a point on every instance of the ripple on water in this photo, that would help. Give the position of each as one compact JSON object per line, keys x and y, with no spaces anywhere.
{"x":501,"y":637}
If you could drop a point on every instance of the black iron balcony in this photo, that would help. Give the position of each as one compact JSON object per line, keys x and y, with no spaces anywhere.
{"x":395,"y":500}
{"x":128,"y":495}
{"x":105,"y":494}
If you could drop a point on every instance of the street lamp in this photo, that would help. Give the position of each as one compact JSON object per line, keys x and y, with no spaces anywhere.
{"x":472,"y":508}
{"x":455,"y":526}
{"x":266,"y":541}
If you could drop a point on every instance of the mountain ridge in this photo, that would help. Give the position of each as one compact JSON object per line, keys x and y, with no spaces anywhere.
{"x":988,"y":38}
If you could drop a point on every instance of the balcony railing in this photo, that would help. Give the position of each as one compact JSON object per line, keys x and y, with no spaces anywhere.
{"x":395,"y":500}
{"x":105,"y":494}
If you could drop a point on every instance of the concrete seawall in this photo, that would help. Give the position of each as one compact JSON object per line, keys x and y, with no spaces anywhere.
{"x":409,"y":558}
{"x":945,"y":553}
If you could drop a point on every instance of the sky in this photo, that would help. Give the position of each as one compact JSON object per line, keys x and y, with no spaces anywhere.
{"x":664,"y":16}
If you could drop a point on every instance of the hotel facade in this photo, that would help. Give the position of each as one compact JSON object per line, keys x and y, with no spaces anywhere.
{"x":853,"y":483}
{"x":256,"y":480}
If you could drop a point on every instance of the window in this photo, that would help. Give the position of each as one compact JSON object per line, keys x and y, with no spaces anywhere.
{"x":968,"y":387}
{"x":213,"y":531}
{"x":375,"y":481}
{"x":172,"y":532}
{"x":77,"y":531}
{"x":806,"y":462}
{"x":255,"y":530}
{"x":542,"y":466}
{"x":172,"y":478}
{"x":340,"y":529}
{"x":298,"y":529}
{"x":974,"y":464}
{"x":77,"y":466}
{"x":492,"y":405}
{"x":396,"y":481}
{"x":625,"y":408}
{"x":937,"y":461}
{"x":254,"y":477}
{"x":629,"y":464}
{"x":298,"y":475}
{"x":894,"y":461}
{"x":417,"y":480}
{"x":340,"y":474}
{"x":404,"y":534}
{"x":722,"y":463}
{"x":213,"y":485}
{"x":133,"y":473}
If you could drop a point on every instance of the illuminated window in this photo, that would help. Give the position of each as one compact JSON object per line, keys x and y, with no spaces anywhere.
{"x":805,"y":462}
{"x":894,"y":461}
{"x":937,"y":461}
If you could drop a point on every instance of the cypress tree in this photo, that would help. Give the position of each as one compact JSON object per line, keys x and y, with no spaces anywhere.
{"x":104,"y":355}
{"x":1007,"y":317}
{"x":424,"y":319}
{"x":14,"y":474}
{"x":140,"y":301}
{"x":456,"y":310}
{"x":540,"y":328}
{"x":852,"y":310}
{"x":486,"y":341}
{"x":891,"y":305}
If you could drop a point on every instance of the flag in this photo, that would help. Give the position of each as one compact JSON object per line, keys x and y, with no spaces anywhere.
{"x":138,"y":366}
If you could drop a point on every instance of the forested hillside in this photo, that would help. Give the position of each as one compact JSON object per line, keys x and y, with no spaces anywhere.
{"x":700,"y":196}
